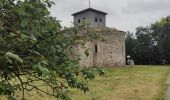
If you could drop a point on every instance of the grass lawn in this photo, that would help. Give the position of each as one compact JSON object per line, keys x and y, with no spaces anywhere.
{"x":138,"y":83}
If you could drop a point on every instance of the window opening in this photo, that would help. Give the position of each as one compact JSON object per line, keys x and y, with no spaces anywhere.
{"x":78,"y":20}
{"x":100,"y":20}
{"x":96,"y":49}
{"x":96,"y":19}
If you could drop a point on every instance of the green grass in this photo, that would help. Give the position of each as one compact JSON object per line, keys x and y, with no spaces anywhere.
{"x":138,"y":83}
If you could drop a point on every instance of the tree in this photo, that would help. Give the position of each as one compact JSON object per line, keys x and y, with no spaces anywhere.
{"x":150,"y":45}
{"x":130,"y":45}
{"x":144,"y":45}
{"x":161,"y":33}
{"x":34,"y":49}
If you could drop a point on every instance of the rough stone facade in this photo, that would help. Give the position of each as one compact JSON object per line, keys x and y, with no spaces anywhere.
{"x":107,"y":53}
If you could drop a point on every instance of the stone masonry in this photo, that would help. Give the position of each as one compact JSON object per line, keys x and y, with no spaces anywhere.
{"x":107,"y":53}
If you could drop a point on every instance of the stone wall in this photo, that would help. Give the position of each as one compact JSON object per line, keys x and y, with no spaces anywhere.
{"x":107,"y":53}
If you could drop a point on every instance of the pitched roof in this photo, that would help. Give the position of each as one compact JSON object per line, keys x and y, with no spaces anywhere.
{"x":89,"y":9}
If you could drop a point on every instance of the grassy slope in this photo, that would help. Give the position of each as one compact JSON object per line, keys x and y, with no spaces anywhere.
{"x":138,"y":83}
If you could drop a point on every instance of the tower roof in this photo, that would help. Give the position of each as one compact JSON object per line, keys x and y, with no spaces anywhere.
{"x":89,"y":9}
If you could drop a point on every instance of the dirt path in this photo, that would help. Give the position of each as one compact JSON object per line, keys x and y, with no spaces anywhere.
{"x":168,"y":90}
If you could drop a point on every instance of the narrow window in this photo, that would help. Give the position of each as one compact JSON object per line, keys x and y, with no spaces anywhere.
{"x":96,"y":19}
{"x":122,"y":50}
{"x":78,"y":20}
{"x":100,"y":20}
{"x":96,"y":49}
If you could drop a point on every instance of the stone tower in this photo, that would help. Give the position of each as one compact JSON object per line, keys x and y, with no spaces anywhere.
{"x":94,"y":18}
{"x":107,"y":54}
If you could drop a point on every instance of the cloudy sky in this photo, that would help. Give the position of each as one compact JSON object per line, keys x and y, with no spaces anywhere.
{"x":124,"y":15}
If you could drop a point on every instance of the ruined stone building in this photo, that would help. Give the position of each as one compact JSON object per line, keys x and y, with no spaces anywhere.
{"x":109,"y":53}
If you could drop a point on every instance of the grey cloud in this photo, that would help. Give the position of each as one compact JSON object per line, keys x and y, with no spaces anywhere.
{"x":142,"y":6}
{"x":125,"y":15}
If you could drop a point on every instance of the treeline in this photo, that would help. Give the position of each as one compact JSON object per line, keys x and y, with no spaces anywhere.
{"x":151,"y":44}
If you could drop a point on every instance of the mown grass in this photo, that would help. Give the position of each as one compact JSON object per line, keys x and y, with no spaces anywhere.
{"x":138,"y":83}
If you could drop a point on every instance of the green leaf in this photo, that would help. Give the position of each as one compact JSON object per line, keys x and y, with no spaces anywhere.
{"x":14,"y":56}
{"x":24,"y":23}
{"x":12,"y":34}
{"x":33,"y":39}
{"x":23,"y":36}
{"x":40,"y":69}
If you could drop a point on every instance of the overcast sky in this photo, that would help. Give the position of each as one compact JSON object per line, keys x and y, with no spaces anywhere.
{"x":124,"y":15}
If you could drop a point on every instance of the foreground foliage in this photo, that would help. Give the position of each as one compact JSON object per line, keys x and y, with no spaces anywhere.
{"x":34,"y":51}
{"x":123,"y":84}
